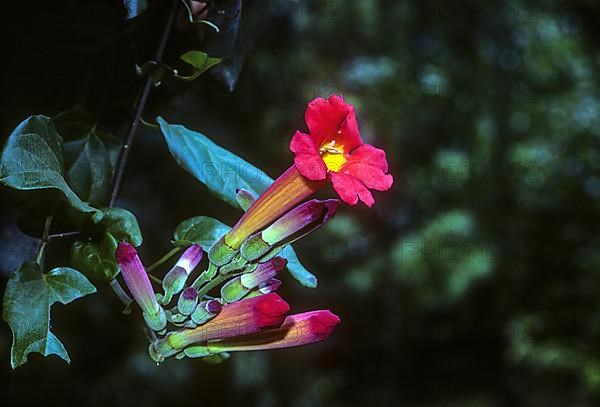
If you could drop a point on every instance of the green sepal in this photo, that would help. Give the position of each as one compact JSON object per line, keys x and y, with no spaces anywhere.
{"x":216,"y":358}
{"x":244,"y":198}
{"x":237,"y":263}
{"x":173,"y":283}
{"x":233,"y":290}
{"x":197,"y":352}
{"x":220,"y":253}
{"x":156,"y":322}
{"x":254,"y":247}
{"x":201,"y":315}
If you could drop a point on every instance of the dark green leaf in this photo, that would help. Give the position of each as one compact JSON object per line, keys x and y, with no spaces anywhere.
{"x":200,"y":60}
{"x":221,"y":171}
{"x":96,"y":259}
{"x":201,"y":230}
{"x":32,"y":159}
{"x":89,"y":169}
{"x":120,"y":223}
{"x":27,"y":301}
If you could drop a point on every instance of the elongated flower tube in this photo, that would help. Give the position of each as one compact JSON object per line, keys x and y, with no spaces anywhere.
{"x":300,"y":221}
{"x":175,"y":279}
{"x":139,"y":285}
{"x":296,"y":330}
{"x":239,"y":318}
{"x":238,"y":287}
{"x":332,"y":151}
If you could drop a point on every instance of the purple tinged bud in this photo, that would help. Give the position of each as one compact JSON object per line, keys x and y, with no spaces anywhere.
{"x":174,"y":281}
{"x":139,"y":285}
{"x":187,"y":301}
{"x":212,"y":306}
{"x":264,"y":272}
{"x":269,"y":286}
{"x":309,"y":215}
{"x":190,"y":258}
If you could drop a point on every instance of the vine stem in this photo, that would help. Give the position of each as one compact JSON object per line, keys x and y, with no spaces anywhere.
{"x":164,"y":258}
{"x":139,"y":106}
{"x":139,"y":109}
{"x":44,"y":242}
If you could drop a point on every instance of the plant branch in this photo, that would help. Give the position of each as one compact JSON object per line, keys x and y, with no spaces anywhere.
{"x":139,"y":108}
{"x":44,"y":241}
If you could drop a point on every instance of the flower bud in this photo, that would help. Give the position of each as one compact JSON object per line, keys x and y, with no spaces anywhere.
{"x":205,"y":311}
{"x":139,"y":285}
{"x":295,"y":224}
{"x":238,"y":287}
{"x":175,"y":279}
{"x":296,"y":330}
{"x":188,"y":300}
{"x":239,"y":318}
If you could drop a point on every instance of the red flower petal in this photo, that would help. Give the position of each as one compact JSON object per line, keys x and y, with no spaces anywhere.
{"x":372,"y":177}
{"x":367,"y":154}
{"x":333,"y":119}
{"x":351,"y":189}
{"x":307,"y":157}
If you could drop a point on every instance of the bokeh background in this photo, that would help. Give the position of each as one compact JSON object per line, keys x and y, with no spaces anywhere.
{"x":474,"y":282}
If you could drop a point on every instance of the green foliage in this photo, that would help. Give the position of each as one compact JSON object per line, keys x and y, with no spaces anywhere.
{"x":200,"y":61}
{"x":33,"y":159}
{"x":202,"y":230}
{"x":89,"y":169}
{"x":28,"y":298}
{"x":220,"y":170}
{"x":96,"y":259}
{"x":121,"y":224}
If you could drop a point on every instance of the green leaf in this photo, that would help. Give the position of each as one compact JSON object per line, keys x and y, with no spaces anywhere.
{"x":89,"y":169}
{"x":27,"y":301}
{"x":96,"y":259}
{"x":221,"y":171}
{"x":121,"y":224}
{"x":297,"y":270}
{"x":202,"y":230}
{"x":199,"y":60}
{"x":32,"y":159}
{"x":224,"y":173}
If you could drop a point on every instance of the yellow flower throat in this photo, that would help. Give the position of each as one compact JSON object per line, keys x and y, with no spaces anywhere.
{"x":333,"y":155}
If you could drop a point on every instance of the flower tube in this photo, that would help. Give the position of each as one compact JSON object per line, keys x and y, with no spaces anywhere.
{"x":139,"y":285}
{"x":239,"y":318}
{"x":296,"y":330}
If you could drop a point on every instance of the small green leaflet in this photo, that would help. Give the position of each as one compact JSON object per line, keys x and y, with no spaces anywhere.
{"x":202,"y":230}
{"x":33,"y":159}
{"x":200,"y":61}
{"x":27,"y":300}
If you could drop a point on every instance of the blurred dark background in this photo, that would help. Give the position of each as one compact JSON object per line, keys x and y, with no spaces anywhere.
{"x":474,"y":282}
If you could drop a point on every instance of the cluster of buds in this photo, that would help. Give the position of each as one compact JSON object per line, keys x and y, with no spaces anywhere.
{"x":247,"y":314}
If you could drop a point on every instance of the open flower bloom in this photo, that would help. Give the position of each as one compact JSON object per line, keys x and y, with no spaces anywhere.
{"x":332,"y":151}
{"x":296,"y":330}
{"x":239,"y":318}
{"x":139,"y":285}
